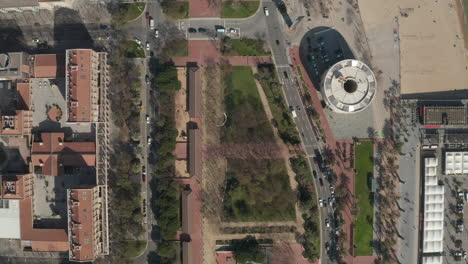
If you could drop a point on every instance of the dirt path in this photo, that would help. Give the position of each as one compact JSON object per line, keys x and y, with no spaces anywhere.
{"x":213,"y":169}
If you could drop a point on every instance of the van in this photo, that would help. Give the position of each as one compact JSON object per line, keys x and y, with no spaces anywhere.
{"x":265,"y":10}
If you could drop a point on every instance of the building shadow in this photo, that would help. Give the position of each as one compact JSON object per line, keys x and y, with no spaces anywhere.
{"x":319,"y":49}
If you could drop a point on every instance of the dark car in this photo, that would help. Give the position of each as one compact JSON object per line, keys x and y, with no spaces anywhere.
{"x":321,"y":181}
{"x":277,"y":42}
{"x":147,"y":79}
{"x":147,"y":15}
{"x":285,"y":75}
{"x":201,"y":30}
{"x":192,"y":30}
{"x":315,"y":174}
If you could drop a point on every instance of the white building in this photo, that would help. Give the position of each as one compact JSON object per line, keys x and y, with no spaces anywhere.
{"x":456,"y":163}
{"x":433,"y":235}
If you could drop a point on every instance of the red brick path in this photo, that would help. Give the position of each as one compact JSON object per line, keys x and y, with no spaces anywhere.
{"x":206,"y":52}
{"x":341,"y":166}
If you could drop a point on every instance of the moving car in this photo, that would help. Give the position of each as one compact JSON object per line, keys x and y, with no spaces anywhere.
{"x":147,"y":119}
{"x":285,"y":75}
{"x":321,"y":202}
{"x":265,"y":10}
{"x":149,"y":140}
{"x":156,"y":33}
{"x":291,"y":108}
{"x":147,"y":15}
{"x":321,"y":181}
{"x":147,"y":46}
{"x":327,"y":222}
{"x":151,"y":23}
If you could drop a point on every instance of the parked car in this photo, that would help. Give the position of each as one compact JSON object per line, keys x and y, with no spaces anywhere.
{"x":143,"y":177}
{"x":285,"y":74}
{"x":265,"y":10}
{"x":147,"y":79}
{"x":147,"y":15}
{"x":148,"y":119}
{"x":460,"y":225}
{"x":192,"y":30}
{"x":137,"y":40}
{"x":149,"y":140}
{"x":202,"y":30}
{"x":332,"y":189}
{"x":321,"y":202}
{"x":321,"y":181}
{"x":327,"y":222}
{"x":314,"y":173}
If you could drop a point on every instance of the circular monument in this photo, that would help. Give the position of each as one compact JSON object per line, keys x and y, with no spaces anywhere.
{"x":349,"y":86}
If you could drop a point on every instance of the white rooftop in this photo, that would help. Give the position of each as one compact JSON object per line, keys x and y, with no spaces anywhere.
{"x":456,"y":162}
{"x":433,"y":234}
{"x":349,"y":86}
{"x":9,"y":219}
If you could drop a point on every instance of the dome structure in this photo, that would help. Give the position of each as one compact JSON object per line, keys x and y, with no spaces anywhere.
{"x":349,"y":86}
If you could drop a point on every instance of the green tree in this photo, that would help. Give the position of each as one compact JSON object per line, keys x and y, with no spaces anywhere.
{"x":247,"y":250}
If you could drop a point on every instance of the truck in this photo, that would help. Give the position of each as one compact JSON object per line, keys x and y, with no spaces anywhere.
{"x":151,"y":23}
{"x":220,"y":29}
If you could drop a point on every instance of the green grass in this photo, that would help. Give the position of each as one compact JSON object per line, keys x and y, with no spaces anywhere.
{"x":282,"y":118}
{"x":133,"y":49}
{"x":257,"y":190}
{"x":239,"y":9}
{"x":133,"y":248}
{"x":176,"y":48}
{"x":363,"y":231}
{"x":127,"y":12}
{"x":175,"y":9}
{"x":243,"y":47}
{"x":247,"y":121}
{"x":465,"y":10}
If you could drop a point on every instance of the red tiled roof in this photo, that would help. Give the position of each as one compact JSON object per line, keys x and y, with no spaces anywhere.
{"x":24,"y":92}
{"x":53,"y":154}
{"x":42,"y":239}
{"x":225,"y":257}
{"x":79,"y":88}
{"x":12,"y":187}
{"x":81,"y":224}
{"x":48,"y":66}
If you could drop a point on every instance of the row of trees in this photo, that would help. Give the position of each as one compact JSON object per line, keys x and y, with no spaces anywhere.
{"x":126,"y":213}
{"x":310,"y":240}
{"x":166,"y":192}
{"x":282,"y":119}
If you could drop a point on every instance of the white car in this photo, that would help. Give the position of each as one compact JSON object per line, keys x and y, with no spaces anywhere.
{"x":265,"y":10}
{"x":156,"y":33}
{"x":147,"y":119}
{"x":321,"y":202}
{"x":149,"y":140}
{"x":137,"y":41}
{"x":147,"y":46}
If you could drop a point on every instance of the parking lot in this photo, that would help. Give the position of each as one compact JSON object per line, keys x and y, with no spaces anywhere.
{"x":455,"y":235}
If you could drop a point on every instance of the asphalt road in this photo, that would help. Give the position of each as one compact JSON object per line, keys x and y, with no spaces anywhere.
{"x":279,"y":45}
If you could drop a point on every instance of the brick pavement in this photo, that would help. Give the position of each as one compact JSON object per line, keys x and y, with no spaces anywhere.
{"x":341,"y":166}
{"x":207,"y":52}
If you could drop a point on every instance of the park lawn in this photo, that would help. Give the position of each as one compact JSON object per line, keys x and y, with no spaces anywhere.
{"x":133,"y":49}
{"x":363,"y":230}
{"x":244,"y":47}
{"x":133,"y":248}
{"x":175,"y":9}
{"x":127,"y":12}
{"x":247,"y":121}
{"x":239,"y":9}
{"x":257,"y":190}
{"x":176,"y":48}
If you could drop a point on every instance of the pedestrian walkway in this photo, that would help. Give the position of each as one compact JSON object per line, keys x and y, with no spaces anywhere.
{"x":207,"y":52}
{"x":341,"y":165}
